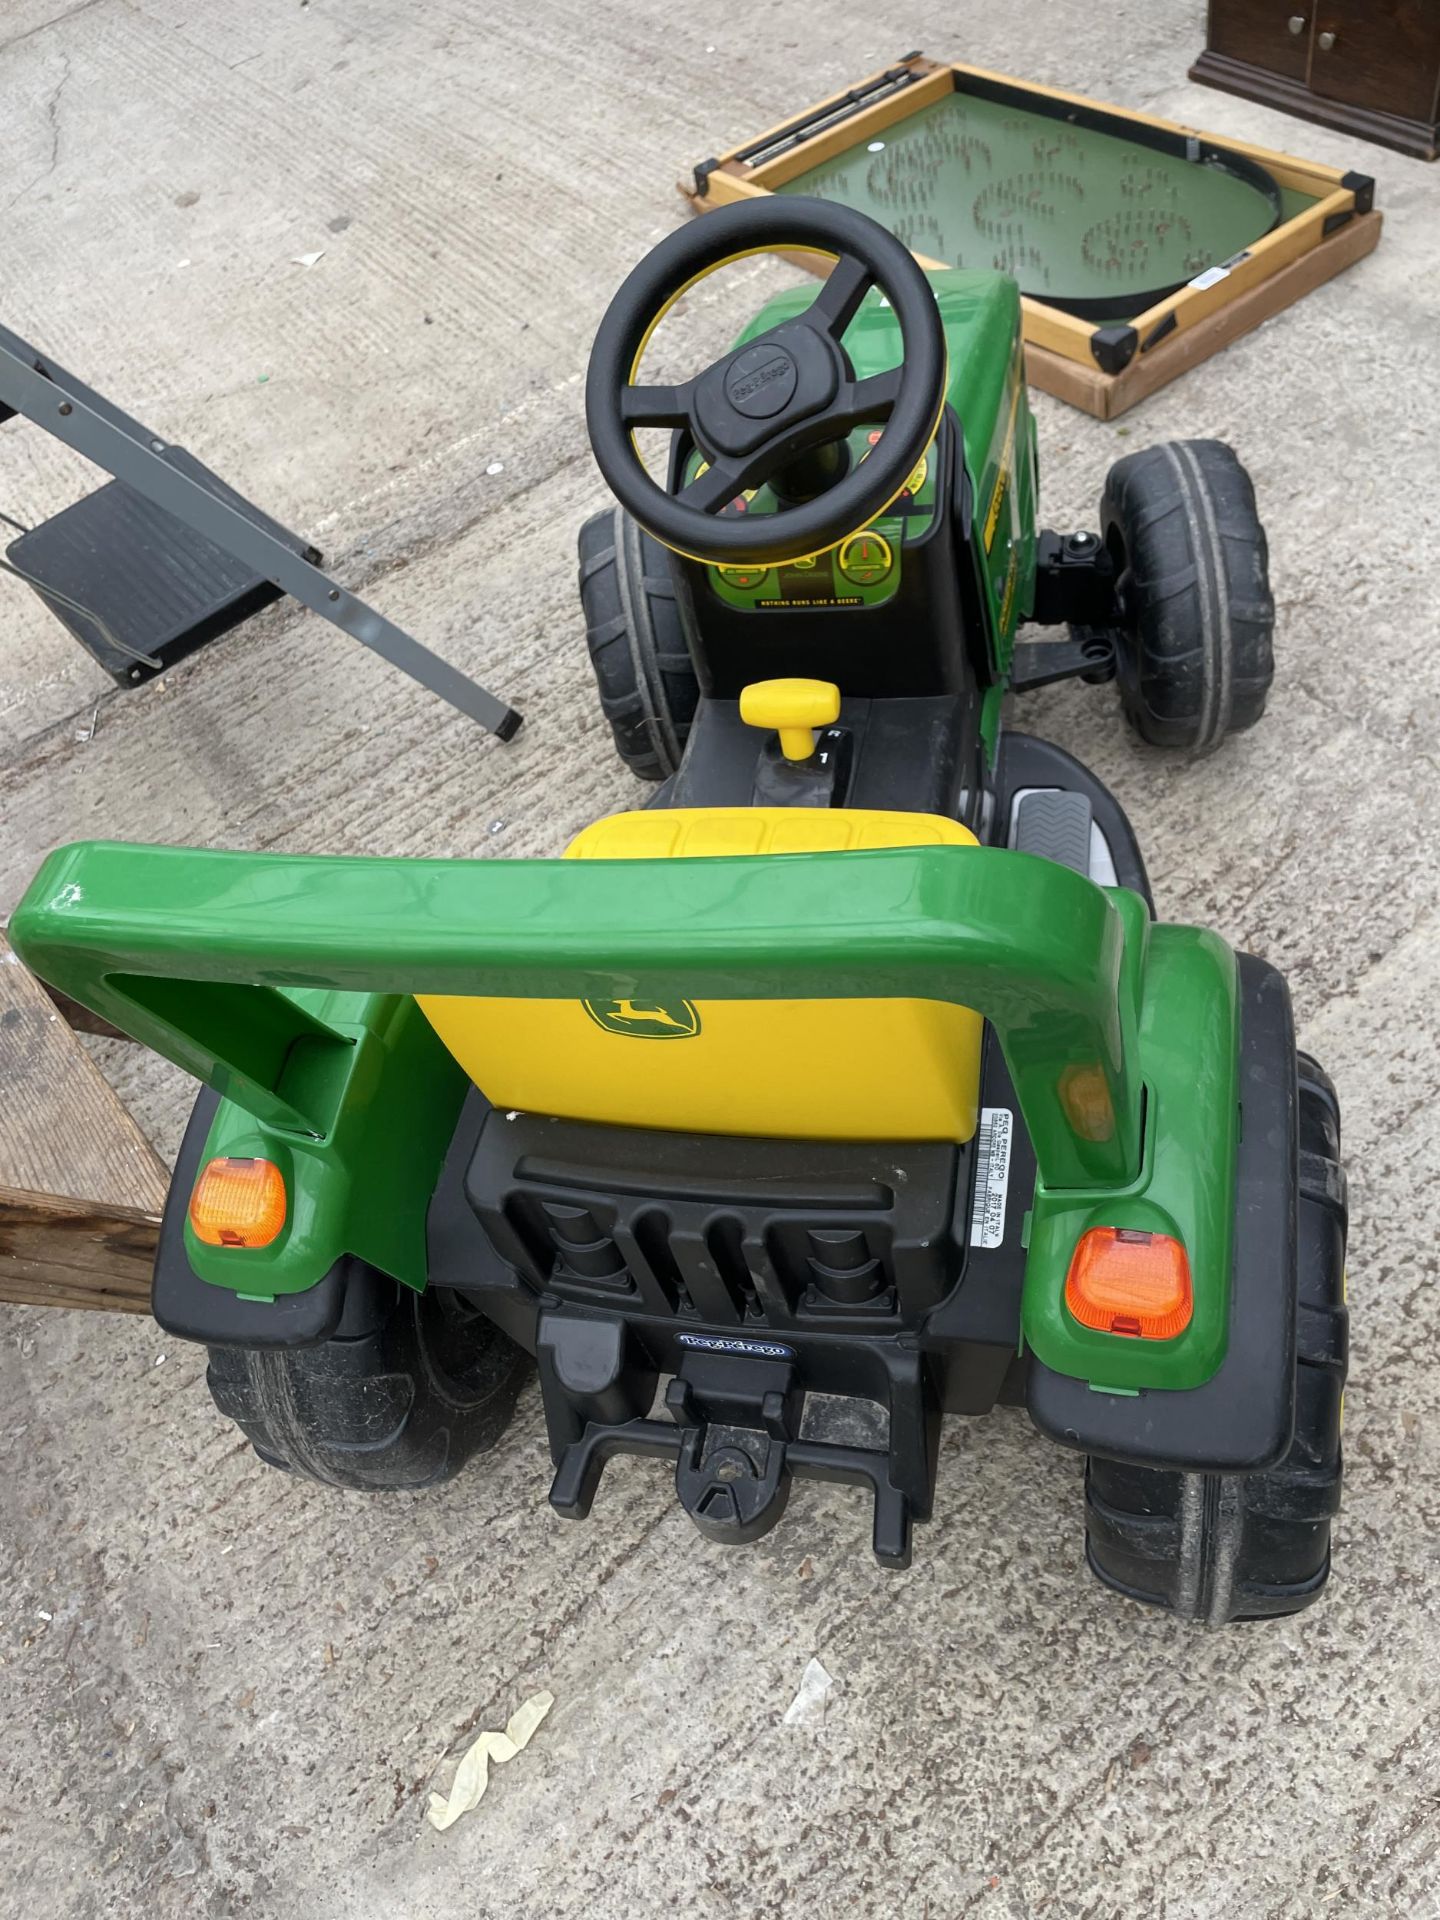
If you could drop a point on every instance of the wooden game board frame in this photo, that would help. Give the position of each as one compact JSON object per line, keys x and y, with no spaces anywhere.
{"x":1103,"y":368}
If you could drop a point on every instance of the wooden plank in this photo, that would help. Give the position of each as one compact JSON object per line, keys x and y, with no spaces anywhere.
{"x":81,"y":1189}
{"x":1109,"y":395}
{"x":63,"y":1129}
{"x":55,"y":1253}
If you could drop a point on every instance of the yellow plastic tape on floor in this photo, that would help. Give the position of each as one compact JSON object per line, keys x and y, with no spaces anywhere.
{"x":473,"y":1774}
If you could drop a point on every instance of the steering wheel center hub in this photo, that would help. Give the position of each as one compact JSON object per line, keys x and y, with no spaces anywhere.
{"x":766,"y":389}
{"x":761,"y":380}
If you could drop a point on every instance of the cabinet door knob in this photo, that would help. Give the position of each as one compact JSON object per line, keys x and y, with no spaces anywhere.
{"x":1327,"y":41}
{"x":1297,"y":24}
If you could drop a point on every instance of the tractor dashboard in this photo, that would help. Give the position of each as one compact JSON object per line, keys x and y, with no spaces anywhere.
{"x":863,"y":570}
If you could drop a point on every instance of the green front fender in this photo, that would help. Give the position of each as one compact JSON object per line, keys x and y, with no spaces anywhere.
{"x":214,"y":959}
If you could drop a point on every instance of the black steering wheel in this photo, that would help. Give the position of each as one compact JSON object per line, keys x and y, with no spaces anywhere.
{"x":787,"y":391}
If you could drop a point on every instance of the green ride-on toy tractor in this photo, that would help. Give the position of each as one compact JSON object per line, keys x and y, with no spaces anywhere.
{"x":849,"y":1083}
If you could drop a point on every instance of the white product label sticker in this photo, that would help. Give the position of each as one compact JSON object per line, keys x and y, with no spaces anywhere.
{"x":992,"y":1176}
{"x":1211,"y":277}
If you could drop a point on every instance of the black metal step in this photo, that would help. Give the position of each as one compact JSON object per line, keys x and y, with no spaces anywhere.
{"x":140,"y":589}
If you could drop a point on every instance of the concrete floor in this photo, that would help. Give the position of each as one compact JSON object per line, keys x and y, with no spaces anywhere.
{"x":228,"y":1693}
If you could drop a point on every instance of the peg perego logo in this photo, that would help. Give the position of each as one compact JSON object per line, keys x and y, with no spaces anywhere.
{"x":762,"y":377}
{"x":761,"y":380}
{"x":645,"y":1019}
{"x":756,"y":1349}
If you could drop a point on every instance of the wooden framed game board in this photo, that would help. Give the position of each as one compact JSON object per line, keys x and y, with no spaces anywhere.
{"x":1141,"y":246}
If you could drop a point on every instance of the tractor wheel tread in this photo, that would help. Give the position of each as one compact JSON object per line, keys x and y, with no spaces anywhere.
{"x":1195,"y":660}
{"x":380,"y":1410}
{"x":1216,"y":1547}
{"x":635,"y":632}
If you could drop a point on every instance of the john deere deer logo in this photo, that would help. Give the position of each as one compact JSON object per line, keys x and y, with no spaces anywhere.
{"x":645,"y":1019}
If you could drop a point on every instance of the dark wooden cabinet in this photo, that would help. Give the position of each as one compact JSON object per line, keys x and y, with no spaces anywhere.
{"x":1274,"y":38}
{"x":1369,"y":66}
{"x":1381,"y":54}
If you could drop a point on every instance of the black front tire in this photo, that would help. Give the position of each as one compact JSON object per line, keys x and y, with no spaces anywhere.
{"x":1221,"y":1547}
{"x":1196,"y":656}
{"x":406,"y":1391}
{"x":636,"y":636}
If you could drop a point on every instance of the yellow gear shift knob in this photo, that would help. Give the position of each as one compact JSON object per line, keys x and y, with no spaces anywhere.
{"x":793,"y":709}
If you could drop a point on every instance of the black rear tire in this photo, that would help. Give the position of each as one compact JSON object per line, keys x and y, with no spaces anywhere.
{"x":636,"y":636}
{"x":1220,"y":1547}
{"x":1196,"y":655}
{"x":406,"y":1391}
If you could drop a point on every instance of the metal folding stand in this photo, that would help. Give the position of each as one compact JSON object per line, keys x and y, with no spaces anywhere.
{"x":168,"y":557}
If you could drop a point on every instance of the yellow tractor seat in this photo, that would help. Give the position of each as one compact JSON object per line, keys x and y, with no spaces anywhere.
{"x":851,"y":1069}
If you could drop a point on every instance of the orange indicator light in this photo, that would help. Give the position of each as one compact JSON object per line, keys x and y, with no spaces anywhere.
{"x":238,"y":1203}
{"x":1127,"y":1282}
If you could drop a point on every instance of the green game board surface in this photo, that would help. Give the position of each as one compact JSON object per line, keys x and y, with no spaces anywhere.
{"x":1079,"y":217}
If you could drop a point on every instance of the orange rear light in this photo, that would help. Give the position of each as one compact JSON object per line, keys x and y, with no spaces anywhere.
{"x":238,"y":1203}
{"x":1085,"y":1096}
{"x":1124,"y":1281}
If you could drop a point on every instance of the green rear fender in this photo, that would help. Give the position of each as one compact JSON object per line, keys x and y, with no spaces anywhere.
{"x":382,"y":1096}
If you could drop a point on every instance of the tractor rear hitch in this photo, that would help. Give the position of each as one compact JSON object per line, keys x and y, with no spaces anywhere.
{"x":736,"y":1433}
